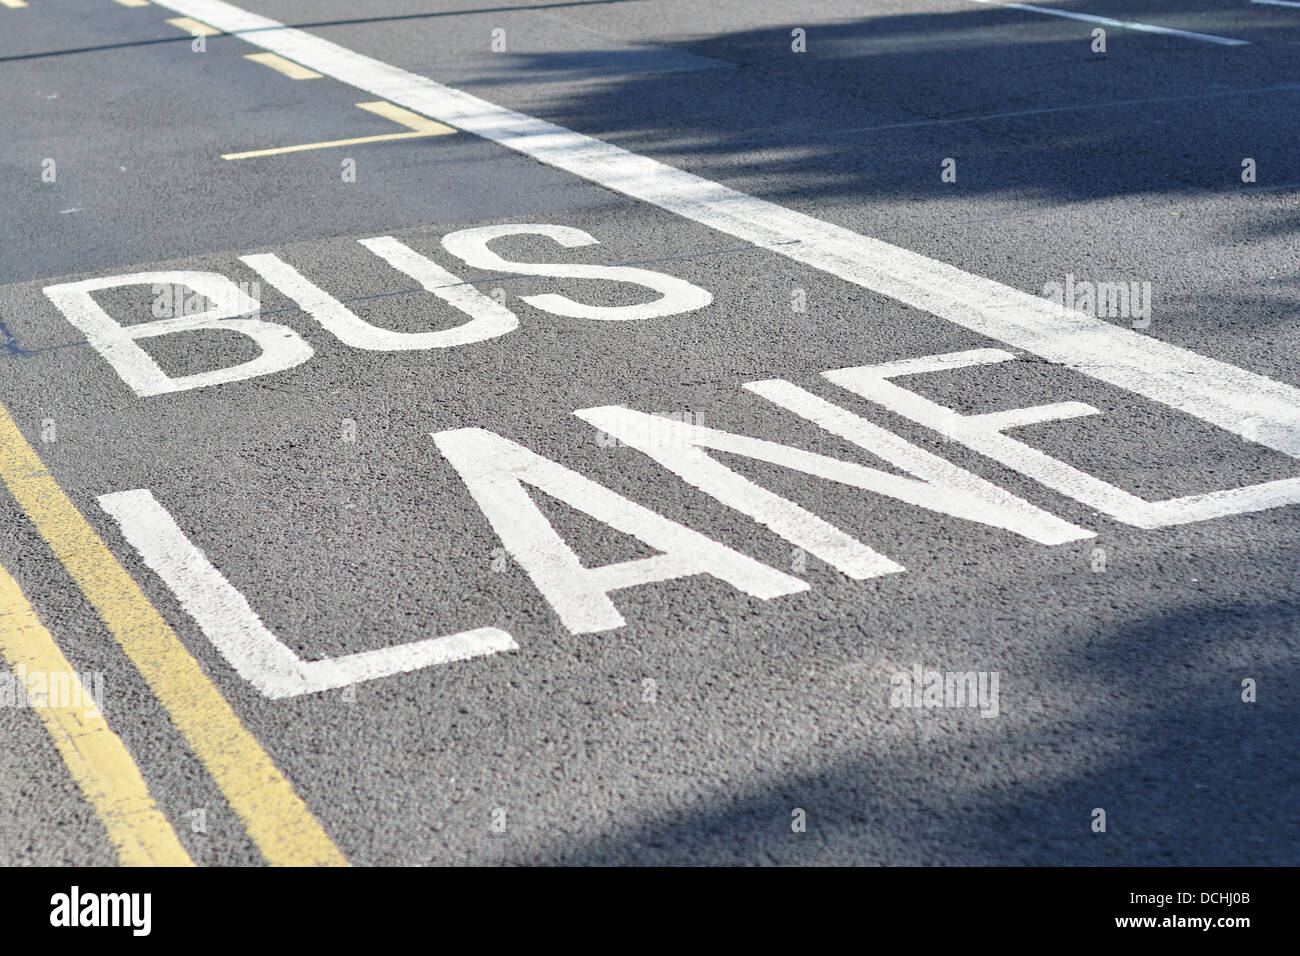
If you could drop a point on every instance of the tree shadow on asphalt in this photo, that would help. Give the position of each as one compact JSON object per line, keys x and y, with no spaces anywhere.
{"x":1019,"y":100}
{"x":1193,"y":776}
{"x":1188,"y":773}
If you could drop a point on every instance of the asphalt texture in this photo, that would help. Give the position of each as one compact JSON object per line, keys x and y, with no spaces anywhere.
{"x":320,"y":495}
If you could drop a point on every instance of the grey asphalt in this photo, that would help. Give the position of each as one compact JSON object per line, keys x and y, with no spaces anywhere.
{"x":1119,"y":689}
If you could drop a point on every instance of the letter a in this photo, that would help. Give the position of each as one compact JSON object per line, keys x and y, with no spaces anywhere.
{"x":495,"y":470}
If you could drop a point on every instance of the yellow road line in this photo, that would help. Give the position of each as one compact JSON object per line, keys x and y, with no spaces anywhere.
{"x":190,"y":25}
{"x":287,"y":67}
{"x":276,"y":818}
{"x":412,"y":121}
{"x":13,"y":4}
{"x":96,"y":757}
{"x":328,"y":145}
{"x":134,"y":3}
{"x":417,"y":124}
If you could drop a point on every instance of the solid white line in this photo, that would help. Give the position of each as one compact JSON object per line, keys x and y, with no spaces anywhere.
{"x":234,"y":628}
{"x":1242,"y":402}
{"x":1120,"y":24}
{"x":1278,"y":3}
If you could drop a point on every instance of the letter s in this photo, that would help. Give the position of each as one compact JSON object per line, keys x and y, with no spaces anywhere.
{"x":675,"y":295}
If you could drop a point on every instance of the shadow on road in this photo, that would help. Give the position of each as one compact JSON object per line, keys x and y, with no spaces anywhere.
{"x":1021,"y":102}
{"x":1187,"y":772}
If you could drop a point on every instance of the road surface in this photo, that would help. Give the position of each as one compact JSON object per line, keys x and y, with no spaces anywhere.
{"x":468,"y":485}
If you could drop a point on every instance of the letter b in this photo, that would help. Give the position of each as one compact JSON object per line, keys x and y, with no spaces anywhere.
{"x":281,"y":347}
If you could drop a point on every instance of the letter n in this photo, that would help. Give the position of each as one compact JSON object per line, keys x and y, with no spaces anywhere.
{"x":937,"y":485}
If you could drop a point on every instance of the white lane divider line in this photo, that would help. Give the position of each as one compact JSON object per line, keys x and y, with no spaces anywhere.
{"x":234,"y":628}
{"x":1278,"y":3}
{"x":1118,"y":24}
{"x":1244,"y":403}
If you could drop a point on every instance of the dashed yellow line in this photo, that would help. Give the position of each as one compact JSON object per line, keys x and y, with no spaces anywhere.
{"x":287,"y":67}
{"x":276,"y":818}
{"x":190,"y":25}
{"x":416,"y":125}
{"x":95,"y":756}
{"x":134,"y":3}
{"x":13,"y":4}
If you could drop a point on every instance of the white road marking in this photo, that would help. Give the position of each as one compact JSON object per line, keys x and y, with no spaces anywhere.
{"x":281,"y":347}
{"x":675,"y":295}
{"x":1119,"y":24}
{"x":234,"y":628}
{"x":984,"y":434}
{"x":1278,"y":3}
{"x":495,"y":470}
{"x":938,"y":485}
{"x":1242,"y":402}
{"x":488,"y":318}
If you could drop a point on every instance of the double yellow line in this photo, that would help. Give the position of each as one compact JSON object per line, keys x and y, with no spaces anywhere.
{"x":276,"y":818}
